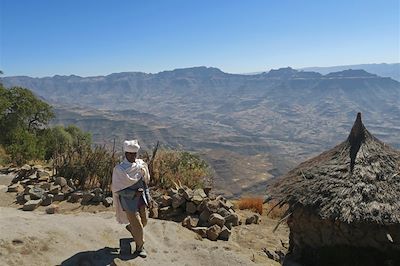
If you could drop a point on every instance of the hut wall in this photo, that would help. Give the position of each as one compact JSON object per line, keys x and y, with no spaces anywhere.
{"x":309,"y":233}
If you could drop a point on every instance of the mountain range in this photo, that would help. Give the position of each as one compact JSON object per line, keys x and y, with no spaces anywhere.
{"x":249,"y":127}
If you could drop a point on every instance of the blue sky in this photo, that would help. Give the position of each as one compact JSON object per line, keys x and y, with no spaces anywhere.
{"x":97,"y":37}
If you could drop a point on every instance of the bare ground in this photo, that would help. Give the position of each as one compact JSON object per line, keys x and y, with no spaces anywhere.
{"x":90,"y":235}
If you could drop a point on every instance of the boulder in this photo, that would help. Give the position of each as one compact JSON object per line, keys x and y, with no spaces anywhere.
{"x":253,"y":219}
{"x":31,"y":205}
{"x":61,"y":181}
{"x":190,"y":222}
{"x":27,"y":188}
{"x":67,"y":189}
{"x":169,"y":212}
{"x":204,"y":216}
{"x":108,"y":201}
{"x":97,"y":198}
{"x":225,"y":233}
{"x":213,"y":232}
{"x":54,"y":189}
{"x":165,"y":201}
{"x":48,"y":199}
{"x":52,"y":209}
{"x":15,"y":188}
{"x":233,"y":219}
{"x":191,"y":207}
{"x":202,"y":205}
{"x":177,"y":201}
{"x":215,"y":218}
{"x":36,"y":193}
{"x":202,"y":231}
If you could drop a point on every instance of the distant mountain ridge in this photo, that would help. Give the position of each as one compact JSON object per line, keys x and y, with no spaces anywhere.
{"x":383,"y":70}
{"x":270,"y":121}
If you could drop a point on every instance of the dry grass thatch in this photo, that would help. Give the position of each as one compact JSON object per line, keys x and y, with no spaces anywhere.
{"x":356,"y":181}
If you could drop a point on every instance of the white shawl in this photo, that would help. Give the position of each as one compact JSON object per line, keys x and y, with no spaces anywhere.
{"x":125,"y":175}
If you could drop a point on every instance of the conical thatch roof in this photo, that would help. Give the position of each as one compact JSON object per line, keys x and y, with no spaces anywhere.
{"x":356,"y":181}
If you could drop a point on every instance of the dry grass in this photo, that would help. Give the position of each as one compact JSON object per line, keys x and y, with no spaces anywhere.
{"x":251,"y":203}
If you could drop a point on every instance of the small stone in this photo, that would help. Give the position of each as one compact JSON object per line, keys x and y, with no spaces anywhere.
{"x":43,"y":176}
{"x":15,"y":188}
{"x":213,"y":206}
{"x":26,"y":167}
{"x":207,"y":190}
{"x":225,"y":233}
{"x":87,"y":196}
{"x":196,"y":199}
{"x":48,"y":200}
{"x":97,"y":191}
{"x":28,"y":188}
{"x":165,"y":201}
{"x":191,"y":207}
{"x":71,"y":184}
{"x":223,"y":212}
{"x":31,"y":205}
{"x":213,"y":232}
{"x":190,"y":222}
{"x":61,"y":181}
{"x":108,"y":201}
{"x":59,"y":197}
{"x":45,"y":186}
{"x":26,"y":182}
{"x":202,"y":205}
{"x":204,"y":216}
{"x":54,"y":189}
{"x":202,"y":231}
{"x":36,"y":193}
{"x":187,"y":194}
{"x":215,"y":218}
{"x":33,"y":177}
{"x":153,"y":212}
{"x":97,"y":198}
{"x":200,"y":192}
{"x":233,"y":219}
{"x":227,"y":205}
{"x":52,"y":209}
{"x":253,"y":219}
{"x":177,"y":201}
{"x":67,"y":189}
{"x":76,"y":196}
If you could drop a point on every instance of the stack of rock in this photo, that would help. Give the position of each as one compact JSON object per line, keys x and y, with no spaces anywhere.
{"x":35,"y":186}
{"x":210,"y":216}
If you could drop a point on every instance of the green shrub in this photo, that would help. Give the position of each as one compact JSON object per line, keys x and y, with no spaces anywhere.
{"x":189,"y":169}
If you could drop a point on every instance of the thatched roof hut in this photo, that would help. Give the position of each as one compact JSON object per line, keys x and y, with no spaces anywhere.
{"x":344,"y":205}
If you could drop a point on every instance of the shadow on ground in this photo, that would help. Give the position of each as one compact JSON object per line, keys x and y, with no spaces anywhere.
{"x":102,"y":257}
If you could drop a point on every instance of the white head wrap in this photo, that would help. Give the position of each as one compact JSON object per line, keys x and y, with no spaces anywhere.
{"x":131,"y":146}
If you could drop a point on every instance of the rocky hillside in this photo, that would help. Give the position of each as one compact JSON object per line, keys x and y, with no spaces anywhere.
{"x":249,"y":127}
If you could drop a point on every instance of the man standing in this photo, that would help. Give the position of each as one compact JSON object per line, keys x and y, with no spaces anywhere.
{"x":131,"y":195}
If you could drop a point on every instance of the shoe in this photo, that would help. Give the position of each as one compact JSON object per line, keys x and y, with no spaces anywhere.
{"x":141,"y":253}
